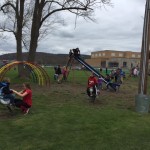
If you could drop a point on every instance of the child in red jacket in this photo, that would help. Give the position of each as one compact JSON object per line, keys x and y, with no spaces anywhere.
{"x":92,"y":83}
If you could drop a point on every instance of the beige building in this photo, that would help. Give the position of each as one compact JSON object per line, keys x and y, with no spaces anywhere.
{"x":111,"y":58}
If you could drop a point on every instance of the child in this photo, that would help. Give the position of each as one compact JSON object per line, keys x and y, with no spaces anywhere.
{"x":26,"y":101}
{"x":6,"y":92}
{"x":108,"y":78}
{"x":99,"y":83}
{"x":92,"y":83}
{"x":55,"y":75}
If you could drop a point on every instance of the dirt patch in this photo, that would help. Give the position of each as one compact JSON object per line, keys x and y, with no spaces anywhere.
{"x":6,"y":115}
{"x":68,"y":92}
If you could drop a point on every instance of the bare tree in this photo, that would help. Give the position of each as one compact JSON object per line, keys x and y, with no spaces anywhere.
{"x":45,"y":9}
{"x":14,"y":15}
{"x":14,"y":21}
{"x":28,"y":30}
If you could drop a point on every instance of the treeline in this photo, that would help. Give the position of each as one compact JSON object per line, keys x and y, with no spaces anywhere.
{"x":44,"y":58}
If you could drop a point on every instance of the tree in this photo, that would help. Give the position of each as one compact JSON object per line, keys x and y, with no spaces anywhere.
{"x":27,"y":28}
{"x":14,"y":24}
{"x":15,"y":18}
{"x":44,"y":9}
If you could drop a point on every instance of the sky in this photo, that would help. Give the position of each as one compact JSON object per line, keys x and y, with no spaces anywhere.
{"x":118,"y":27}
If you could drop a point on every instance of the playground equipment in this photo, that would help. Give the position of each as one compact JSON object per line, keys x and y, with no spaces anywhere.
{"x":38,"y":74}
{"x":75,"y":54}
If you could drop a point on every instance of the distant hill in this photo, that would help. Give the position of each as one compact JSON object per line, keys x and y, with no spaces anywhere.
{"x":43,"y":58}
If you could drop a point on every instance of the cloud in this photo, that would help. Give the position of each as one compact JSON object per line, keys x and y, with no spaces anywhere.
{"x":117,"y":27}
{"x":8,"y":44}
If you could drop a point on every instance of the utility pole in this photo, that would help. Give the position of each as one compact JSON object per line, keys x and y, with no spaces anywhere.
{"x":145,"y":51}
{"x":142,"y":100}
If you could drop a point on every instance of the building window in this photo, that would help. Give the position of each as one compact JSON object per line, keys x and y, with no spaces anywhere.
{"x":139,"y":56}
{"x":92,"y":55}
{"x":103,"y":54}
{"x":113,"y":64}
{"x":99,"y":54}
{"x":112,"y":54}
{"x":133,"y":55}
{"x":120,"y":54}
{"x":95,"y":55}
{"x":124,"y":64}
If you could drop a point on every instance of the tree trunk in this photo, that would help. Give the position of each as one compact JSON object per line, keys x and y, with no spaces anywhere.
{"x":19,"y":55}
{"x":19,"y":16}
{"x":33,"y":45}
{"x":37,"y":15}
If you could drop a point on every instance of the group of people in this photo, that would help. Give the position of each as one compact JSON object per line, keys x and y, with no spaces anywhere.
{"x":114,"y":79}
{"x":75,"y":51}
{"x":60,"y":73}
{"x":26,"y":94}
{"x":116,"y":75}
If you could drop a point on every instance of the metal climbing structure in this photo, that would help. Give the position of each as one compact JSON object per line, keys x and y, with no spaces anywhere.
{"x":74,"y":54}
{"x":38,"y":74}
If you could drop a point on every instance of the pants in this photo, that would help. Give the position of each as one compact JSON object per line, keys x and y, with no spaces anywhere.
{"x":19,"y":103}
{"x":88,"y":91}
{"x":55,"y":76}
{"x":9,"y":96}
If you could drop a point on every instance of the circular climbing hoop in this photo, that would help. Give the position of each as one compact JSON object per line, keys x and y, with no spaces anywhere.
{"x":39,"y":75}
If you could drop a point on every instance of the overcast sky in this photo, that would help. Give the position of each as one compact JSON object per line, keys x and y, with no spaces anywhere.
{"x":117,"y":28}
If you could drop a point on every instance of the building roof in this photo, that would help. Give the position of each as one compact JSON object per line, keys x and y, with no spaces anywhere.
{"x":115,"y":51}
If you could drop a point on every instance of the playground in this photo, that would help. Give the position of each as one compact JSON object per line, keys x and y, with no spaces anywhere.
{"x":63,"y":118}
{"x":60,"y":108}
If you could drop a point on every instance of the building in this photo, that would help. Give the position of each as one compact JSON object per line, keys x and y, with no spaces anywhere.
{"x":111,"y":58}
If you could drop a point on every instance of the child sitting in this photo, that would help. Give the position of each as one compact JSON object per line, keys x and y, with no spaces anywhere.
{"x":6,"y":93}
{"x":92,"y":83}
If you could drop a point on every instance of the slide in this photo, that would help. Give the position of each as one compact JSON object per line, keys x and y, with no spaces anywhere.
{"x":90,"y":68}
{"x":77,"y":57}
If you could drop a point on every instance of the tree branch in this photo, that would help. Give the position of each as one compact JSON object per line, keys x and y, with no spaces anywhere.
{"x":61,"y":9}
{"x":7,"y":4}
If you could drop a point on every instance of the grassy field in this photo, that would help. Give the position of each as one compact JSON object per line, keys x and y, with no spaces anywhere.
{"x":62,"y":118}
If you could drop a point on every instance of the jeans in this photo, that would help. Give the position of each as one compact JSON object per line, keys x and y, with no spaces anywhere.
{"x":10,"y":97}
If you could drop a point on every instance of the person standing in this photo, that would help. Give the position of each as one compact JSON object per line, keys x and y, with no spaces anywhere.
{"x":106,"y":70}
{"x":59,"y":72}
{"x":55,"y":73}
{"x":135,"y":72}
{"x":100,"y":70}
{"x":64,"y":72}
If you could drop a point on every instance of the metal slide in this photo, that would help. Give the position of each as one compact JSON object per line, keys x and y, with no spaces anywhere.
{"x":80,"y":60}
{"x":90,"y":68}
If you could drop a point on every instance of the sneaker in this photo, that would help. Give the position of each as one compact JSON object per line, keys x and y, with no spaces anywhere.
{"x":26,"y":111}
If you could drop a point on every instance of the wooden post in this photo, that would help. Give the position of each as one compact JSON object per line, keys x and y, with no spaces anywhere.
{"x":145,"y":51}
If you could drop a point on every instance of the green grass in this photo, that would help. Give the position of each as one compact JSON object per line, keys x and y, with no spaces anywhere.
{"x":62,"y":118}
